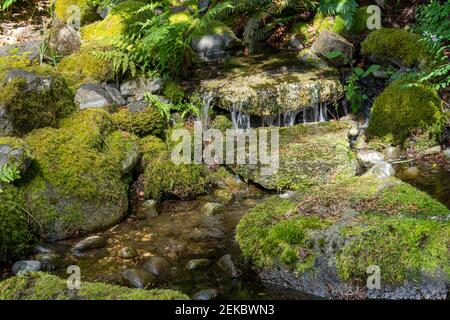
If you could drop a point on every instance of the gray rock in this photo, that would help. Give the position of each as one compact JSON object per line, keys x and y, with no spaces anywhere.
{"x":148,"y":209}
{"x":43,"y":248}
{"x":196,"y":264}
{"x":6,"y":126}
{"x":35,"y":83}
{"x":26,"y":266}
{"x":410,"y":173}
{"x":392,"y":153}
{"x":228,"y":267}
{"x":382,"y":170}
{"x":369,"y":158}
{"x":29,"y":48}
{"x":431,"y":151}
{"x":130,"y":157}
{"x":447,"y":154}
{"x":115,"y":94}
{"x":211,"y":208}
{"x":50,"y":260}
{"x":158,"y":266}
{"x":214,"y":47}
{"x":14,"y":156}
{"x":207,"y":294}
{"x":295,"y":43}
{"x":328,"y":42}
{"x":64,"y":39}
{"x":137,"y":87}
{"x":93,"y":96}
{"x":89,"y":243}
{"x":138,"y":106}
{"x":138,"y":278}
{"x":127,"y":253}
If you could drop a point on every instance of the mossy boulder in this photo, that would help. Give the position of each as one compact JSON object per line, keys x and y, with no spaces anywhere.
{"x":395,"y":46}
{"x":116,"y":23}
{"x":323,"y":240}
{"x":77,"y":182}
{"x":143,"y":123}
{"x":15,"y":234}
{"x":42,"y":286}
{"x":309,"y":155}
{"x":162,"y":177}
{"x":265,"y":87}
{"x":15,"y":153}
{"x":67,"y":11}
{"x":93,"y":69}
{"x":32,"y":98}
{"x":405,"y":106}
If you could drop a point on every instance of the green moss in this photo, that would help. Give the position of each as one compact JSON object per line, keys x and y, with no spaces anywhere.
{"x":74,"y":172}
{"x":31,"y":109}
{"x":13,"y":62}
{"x":42,"y":286}
{"x":403,"y":248}
{"x":174,"y":92}
{"x":148,"y":122}
{"x":115,"y":24}
{"x":64,"y":11}
{"x":222,"y":123}
{"x":92,"y":69}
{"x":15,"y":236}
{"x":162,"y":177}
{"x":359,"y":24}
{"x":401,"y":108}
{"x":309,"y":32}
{"x":268,"y":238}
{"x":397,"y":46}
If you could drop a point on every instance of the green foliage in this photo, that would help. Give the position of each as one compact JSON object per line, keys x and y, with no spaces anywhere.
{"x":15,"y":236}
{"x":6,"y":4}
{"x":147,"y":122}
{"x":403,"y":107}
{"x":434,"y":24}
{"x":32,"y":109}
{"x":346,"y":9}
{"x":8,"y":174}
{"x":222,"y":123}
{"x":63,"y":10}
{"x":174,"y":92}
{"x":396,"y":46}
{"x":165,"y":109}
{"x":42,"y":286}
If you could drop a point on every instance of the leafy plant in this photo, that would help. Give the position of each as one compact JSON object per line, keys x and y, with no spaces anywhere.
{"x":353,"y":90}
{"x":343,"y":8}
{"x":166,"y":109}
{"x":6,"y":4}
{"x":8,"y":174}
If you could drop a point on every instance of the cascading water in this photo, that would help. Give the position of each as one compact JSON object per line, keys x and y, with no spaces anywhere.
{"x":206,"y":107}
{"x":239,"y":119}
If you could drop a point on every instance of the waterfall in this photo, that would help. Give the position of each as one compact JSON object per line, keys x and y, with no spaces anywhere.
{"x":206,"y":106}
{"x":239,"y":119}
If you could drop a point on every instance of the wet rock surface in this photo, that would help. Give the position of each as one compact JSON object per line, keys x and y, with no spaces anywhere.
{"x":89,"y":243}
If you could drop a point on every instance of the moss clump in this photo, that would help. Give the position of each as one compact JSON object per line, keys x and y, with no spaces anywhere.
{"x":269,"y":239}
{"x":359,"y":24}
{"x":403,"y":248}
{"x":29,"y":108}
{"x":396,"y":46}
{"x":42,"y":286}
{"x":115,"y":24}
{"x":13,"y":62}
{"x":174,"y":92}
{"x":222,"y":123}
{"x":15,"y":236}
{"x":402,"y":108}
{"x":309,"y":32}
{"x":148,"y":122}
{"x":92,"y":68}
{"x":76,"y":182}
{"x":64,"y":11}
{"x":162,"y":177}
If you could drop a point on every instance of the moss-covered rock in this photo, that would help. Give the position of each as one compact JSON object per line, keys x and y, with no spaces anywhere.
{"x":15,"y":235}
{"x":33,"y":98}
{"x":323,"y":240}
{"x":115,"y":24}
{"x":265,"y":87}
{"x":67,"y":10}
{"x":15,"y":153}
{"x":222,"y":123}
{"x":308,"y":32}
{"x":162,"y":177}
{"x":309,"y":155}
{"x":42,"y":286}
{"x":92,"y":70}
{"x":404,"y":107}
{"x":76,"y":184}
{"x":147,"y":122}
{"x":174,"y":92}
{"x":395,"y":46}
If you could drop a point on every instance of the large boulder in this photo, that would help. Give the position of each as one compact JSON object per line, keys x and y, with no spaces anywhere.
{"x":31,"y":99}
{"x":327,"y":240}
{"x":329,"y":42}
{"x":91,"y":95}
{"x":42,"y":286}
{"x":309,"y":155}
{"x":77,"y":186}
{"x":137,"y":87}
{"x":272,"y":86}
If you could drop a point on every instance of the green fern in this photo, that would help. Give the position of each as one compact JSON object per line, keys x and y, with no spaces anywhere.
{"x":6,"y":4}
{"x":8,"y":174}
{"x":344,"y":8}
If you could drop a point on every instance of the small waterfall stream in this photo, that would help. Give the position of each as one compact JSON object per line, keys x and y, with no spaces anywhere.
{"x":239,"y":119}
